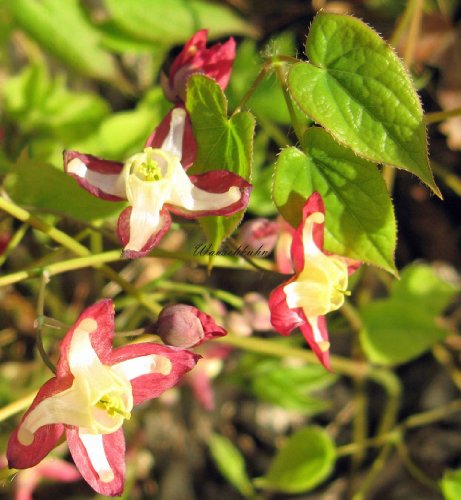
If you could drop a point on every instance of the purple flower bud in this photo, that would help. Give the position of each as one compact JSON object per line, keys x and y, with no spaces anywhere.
{"x":185,"y":326}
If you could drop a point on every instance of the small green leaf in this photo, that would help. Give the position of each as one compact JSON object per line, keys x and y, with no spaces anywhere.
{"x":420,"y":283}
{"x":360,"y":221}
{"x":304,"y":462}
{"x":222,"y":144}
{"x":176,"y":20}
{"x":356,"y":87}
{"x":451,"y":484}
{"x":404,"y":326}
{"x":230,"y":463}
{"x":41,"y":106}
{"x":63,"y":29}
{"x":39,"y":185}
{"x":396,"y":332}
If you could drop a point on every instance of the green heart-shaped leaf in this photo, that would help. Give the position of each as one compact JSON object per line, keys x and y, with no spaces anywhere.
{"x":222,"y":144}
{"x":360,"y":220}
{"x":356,"y":87}
{"x":306,"y":459}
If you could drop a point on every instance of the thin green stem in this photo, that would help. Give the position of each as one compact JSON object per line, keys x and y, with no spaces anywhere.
{"x":413,"y":469}
{"x":265,"y":346}
{"x":259,"y":78}
{"x":61,"y":267}
{"x":440,"y":116}
{"x":39,"y":322}
{"x":14,"y":242}
{"x":54,"y":233}
{"x":16,"y":406}
{"x":298,"y":127}
{"x":223,"y":295}
{"x":376,"y":467}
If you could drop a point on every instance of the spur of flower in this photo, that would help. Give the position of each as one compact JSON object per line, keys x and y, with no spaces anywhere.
{"x":92,"y":394}
{"x":215,"y":62}
{"x":317,"y":287}
{"x":155,"y":182}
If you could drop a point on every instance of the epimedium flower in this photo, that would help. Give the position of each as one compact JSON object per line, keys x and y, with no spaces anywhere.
{"x":155,"y":182}
{"x":92,"y":394}
{"x":317,"y":287}
{"x":215,"y":62}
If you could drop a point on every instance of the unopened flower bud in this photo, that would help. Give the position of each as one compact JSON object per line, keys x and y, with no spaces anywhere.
{"x":259,"y":234}
{"x":185,"y":326}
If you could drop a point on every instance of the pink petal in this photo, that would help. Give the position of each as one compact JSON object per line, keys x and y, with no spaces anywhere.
{"x":101,"y":339}
{"x":211,"y":328}
{"x":195,"y":44}
{"x":313,"y":204}
{"x":201,"y":385}
{"x":59,"y":470}
{"x":123,"y":233}
{"x":189,"y":146}
{"x":306,"y":329}
{"x":217,"y":181}
{"x":154,"y":384}
{"x":101,"y":186}
{"x":45,"y":438}
{"x":114,"y":448}
{"x":283,"y":319}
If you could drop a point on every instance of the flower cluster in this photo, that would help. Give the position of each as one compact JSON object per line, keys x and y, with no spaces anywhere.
{"x":93,"y":393}
{"x":154,"y":181}
{"x":318,"y":286}
{"x":96,"y":386}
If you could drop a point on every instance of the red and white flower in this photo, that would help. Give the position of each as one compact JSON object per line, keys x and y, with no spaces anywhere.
{"x":215,"y":62}
{"x":93,"y":392}
{"x":317,"y":287}
{"x":155,"y":182}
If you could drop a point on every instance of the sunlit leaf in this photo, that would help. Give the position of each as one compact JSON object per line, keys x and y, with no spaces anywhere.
{"x":223,"y":144}
{"x":356,"y":87}
{"x":360,"y":220}
{"x":63,"y":28}
{"x":174,"y":21}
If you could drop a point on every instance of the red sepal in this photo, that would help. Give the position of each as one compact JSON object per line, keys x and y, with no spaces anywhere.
{"x":283,"y":319}
{"x":154,"y":384}
{"x":96,"y":165}
{"x":45,"y":438}
{"x":210,"y":328}
{"x":114,"y":447}
{"x":101,"y":340}
{"x":324,"y":357}
{"x":215,"y":62}
{"x":123,"y":233}
{"x":313,"y":204}
{"x":189,"y":146}
{"x":217,"y":181}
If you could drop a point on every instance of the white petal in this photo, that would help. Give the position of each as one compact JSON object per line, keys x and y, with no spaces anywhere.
{"x":310,"y":248}
{"x":144,"y":365}
{"x":147,"y":199}
{"x":84,"y":362}
{"x":173,"y":141}
{"x":184,"y":194}
{"x":70,"y":407}
{"x":108,"y":183}
{"x":94,"y":446}
{"x":323,"y":344}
